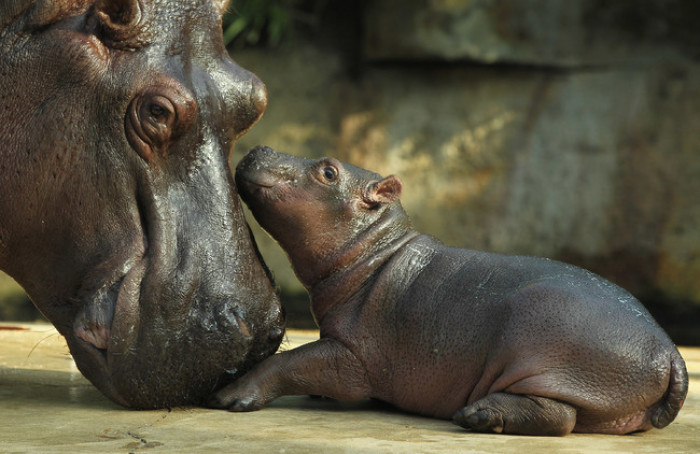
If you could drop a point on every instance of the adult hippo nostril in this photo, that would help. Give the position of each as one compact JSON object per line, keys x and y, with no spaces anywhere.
{"x":258,"y":95}
{"x":118,"y":212}
{"x":240,"y":95}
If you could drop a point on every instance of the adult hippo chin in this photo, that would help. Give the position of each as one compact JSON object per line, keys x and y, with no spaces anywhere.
{"x":117,"y":210}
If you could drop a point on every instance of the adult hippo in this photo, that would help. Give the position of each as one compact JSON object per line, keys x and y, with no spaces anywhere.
{"x":117,"y":210}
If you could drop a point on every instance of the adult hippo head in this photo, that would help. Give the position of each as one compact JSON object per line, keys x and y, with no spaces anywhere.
{"x":117,"y":210}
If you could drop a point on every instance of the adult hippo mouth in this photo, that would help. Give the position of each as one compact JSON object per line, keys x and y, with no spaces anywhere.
{"x":120,"y":352}
{"x":181,"y":320}
{"x":189,"y":308}
{"x":119,"y":215}
{"x":96,"y":340}
{"x":93,"y":331}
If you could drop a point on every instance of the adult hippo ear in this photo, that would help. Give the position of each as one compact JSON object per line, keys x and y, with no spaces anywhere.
{"x":385,"y":191}
{"x":118,"y":214}
{"x":118,"y":22}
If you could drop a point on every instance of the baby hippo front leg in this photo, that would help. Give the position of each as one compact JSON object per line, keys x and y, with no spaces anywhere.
{"x":325,"y":368}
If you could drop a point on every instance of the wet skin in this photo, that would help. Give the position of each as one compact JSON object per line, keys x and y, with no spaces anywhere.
{"x":498,"y":343}
{"x":118,"y":212}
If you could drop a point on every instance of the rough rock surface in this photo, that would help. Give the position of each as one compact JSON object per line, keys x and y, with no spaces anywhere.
{"x":537,"y":32}
{"x":564,"y":129}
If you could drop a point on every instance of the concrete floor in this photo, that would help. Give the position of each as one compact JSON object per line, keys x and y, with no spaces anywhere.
{"x":47,"y":406}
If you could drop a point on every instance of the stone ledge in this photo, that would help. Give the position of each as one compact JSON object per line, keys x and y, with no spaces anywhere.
{"x":47,"y":406}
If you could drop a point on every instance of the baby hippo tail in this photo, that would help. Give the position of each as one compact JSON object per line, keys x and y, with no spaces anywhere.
{"x":671,"y":403}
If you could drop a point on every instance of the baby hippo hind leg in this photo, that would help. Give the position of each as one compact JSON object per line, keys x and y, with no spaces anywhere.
{"x":517,"y":414}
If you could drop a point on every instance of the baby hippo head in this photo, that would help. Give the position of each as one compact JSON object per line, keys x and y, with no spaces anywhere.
{"x":319,"y":211}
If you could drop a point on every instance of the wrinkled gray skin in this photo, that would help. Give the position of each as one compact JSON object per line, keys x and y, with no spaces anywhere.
{"x":118,"y":212}
{"x":499,"y":343}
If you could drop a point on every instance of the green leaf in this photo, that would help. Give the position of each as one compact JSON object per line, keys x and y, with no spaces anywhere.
{"x":235,"y":28}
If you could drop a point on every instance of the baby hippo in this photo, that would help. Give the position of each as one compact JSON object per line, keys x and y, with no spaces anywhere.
{"x":498,"y":343}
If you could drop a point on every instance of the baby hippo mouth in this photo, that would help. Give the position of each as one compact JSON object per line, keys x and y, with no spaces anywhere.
{"x":254,"y":175}
{"x":256,"y":180}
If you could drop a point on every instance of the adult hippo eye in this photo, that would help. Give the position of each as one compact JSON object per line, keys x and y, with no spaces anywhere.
{"x":159,"y":113}
{"x":158,"y":117}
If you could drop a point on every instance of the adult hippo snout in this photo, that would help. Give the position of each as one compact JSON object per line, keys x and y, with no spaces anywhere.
{"x":118,"y":214}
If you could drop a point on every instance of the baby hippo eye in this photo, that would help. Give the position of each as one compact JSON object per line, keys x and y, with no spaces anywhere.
{"x":330,"y":173}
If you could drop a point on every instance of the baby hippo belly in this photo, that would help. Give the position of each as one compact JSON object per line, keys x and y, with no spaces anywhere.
{"x":431,"y":391}
{"x":426,"y":371}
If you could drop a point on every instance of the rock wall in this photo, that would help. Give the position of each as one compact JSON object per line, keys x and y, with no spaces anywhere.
{"x":563,"y":129}
{"x":566,"y":129}
{"x":571,"y":33}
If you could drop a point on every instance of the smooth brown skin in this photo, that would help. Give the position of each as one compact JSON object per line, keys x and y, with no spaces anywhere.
{"x":500,"y":343}
{"x":118,"y":212}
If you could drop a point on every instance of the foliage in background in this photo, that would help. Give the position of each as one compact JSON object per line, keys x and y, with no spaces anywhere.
{"x":267,"y":22}
{"x":248,"y":22}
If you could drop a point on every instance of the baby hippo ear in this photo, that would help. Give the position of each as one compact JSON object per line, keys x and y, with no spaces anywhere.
{"x":383,"y":191}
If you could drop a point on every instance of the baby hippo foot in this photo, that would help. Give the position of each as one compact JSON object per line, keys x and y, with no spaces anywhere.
{"x":517,"y":414}
{"x":238,"y":396}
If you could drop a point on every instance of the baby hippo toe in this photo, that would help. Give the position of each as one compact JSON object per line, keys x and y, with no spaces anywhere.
{"x":244,"y":404}
{"x":517,"y":414}
{"x":233,"y":399}
{"x":479,"y":420}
